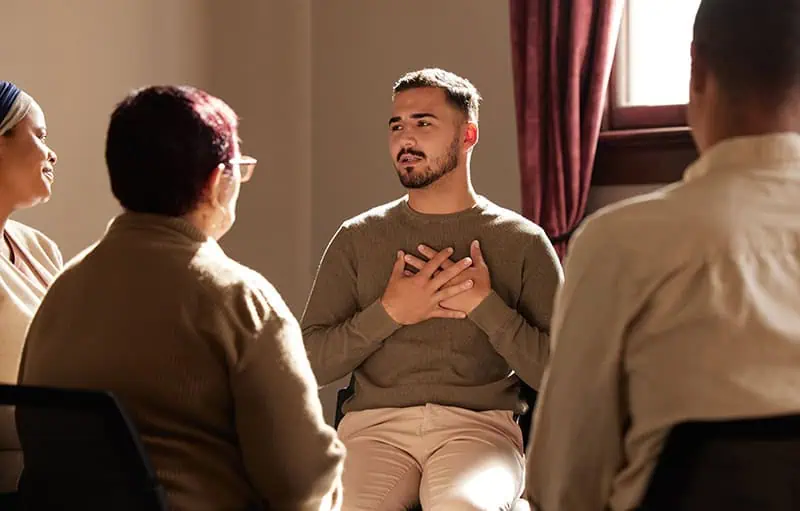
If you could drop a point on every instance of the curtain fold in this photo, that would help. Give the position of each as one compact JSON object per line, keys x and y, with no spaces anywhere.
{"x":562,"y":53}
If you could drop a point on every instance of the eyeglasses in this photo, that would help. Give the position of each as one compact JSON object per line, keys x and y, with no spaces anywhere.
{"x":246,"y":166}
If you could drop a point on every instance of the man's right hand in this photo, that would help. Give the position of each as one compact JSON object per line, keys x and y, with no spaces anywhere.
{"x":413,"y":299}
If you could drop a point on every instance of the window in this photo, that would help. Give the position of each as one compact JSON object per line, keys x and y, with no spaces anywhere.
{"x":650,"y":79}
{"x":645,"y":138}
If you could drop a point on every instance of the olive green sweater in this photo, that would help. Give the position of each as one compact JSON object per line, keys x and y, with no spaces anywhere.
{"x":474,"y":363}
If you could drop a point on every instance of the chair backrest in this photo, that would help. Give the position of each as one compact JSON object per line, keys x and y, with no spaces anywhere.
{"x":342,"y":395}
{"x":81,"y":451}
{"x":10,"y":459}
{"x":524,"y":420}
{"x":738,"y":465}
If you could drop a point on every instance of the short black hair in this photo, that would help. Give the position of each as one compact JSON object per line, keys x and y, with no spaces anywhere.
{"x":162,"y":145}
{"x":752,"y":47}
{"x":460,"y":92}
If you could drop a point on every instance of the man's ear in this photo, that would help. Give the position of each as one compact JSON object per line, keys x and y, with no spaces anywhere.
{"x":699,"y":71}
{"x":470,"y":135}
{"x":213,"y":185}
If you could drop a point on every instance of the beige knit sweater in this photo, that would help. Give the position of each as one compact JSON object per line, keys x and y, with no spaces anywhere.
{"x":206,"y":357}
{"x":22,"y":291}
{"x":22,"y":287}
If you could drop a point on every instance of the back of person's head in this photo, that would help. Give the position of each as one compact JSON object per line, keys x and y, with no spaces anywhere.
{"x":459,"y":91}
{"x":752,"y":47}
{"x":163,"y":144}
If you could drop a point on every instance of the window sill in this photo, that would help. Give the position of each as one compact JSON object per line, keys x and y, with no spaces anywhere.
{"x":643,"y":156}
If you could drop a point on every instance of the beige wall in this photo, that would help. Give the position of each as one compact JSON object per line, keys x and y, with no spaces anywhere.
{"x":311,"y":80}
{"x":359,"y":48}
{"x":77,"y":59}
{"x":260,"y":61}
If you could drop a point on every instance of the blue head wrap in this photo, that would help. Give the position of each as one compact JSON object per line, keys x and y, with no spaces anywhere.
{"x":8,"y":95}
{"x":14,"y":106}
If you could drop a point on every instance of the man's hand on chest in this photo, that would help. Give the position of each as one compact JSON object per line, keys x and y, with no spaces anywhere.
{"x":478,"y":273}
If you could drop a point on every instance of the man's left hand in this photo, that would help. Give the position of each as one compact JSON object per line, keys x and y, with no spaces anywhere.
{"x":467,"y":301}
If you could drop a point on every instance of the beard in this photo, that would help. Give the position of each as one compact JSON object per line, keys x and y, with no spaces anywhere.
{"x":435,"y":170}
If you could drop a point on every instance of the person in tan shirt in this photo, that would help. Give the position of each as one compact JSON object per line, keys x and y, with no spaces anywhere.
{"x":683,"y":304}
{"x":201,"y":350}
{"x":439,"y":303}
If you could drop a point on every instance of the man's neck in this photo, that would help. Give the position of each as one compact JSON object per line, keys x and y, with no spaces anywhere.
{"x":755,"y":120}
{"x":200,"y":220}
{"x":443,"y":198}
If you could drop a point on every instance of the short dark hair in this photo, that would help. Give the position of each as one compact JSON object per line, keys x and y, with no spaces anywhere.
{"x":460,"y":92}
{"x":752,"y":47}
{"x":163,"y":143}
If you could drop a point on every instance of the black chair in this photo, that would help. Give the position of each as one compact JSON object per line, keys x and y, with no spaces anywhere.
{"x":737,"y":465}
{"x":342,"y":395}
{"x":81,"y":451}
{"x":527,"y":393}
{"x":10,"y":459}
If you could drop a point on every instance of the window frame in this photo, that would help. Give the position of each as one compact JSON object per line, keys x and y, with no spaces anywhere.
{"x":630,"y":117}
{"x":640,"y":145}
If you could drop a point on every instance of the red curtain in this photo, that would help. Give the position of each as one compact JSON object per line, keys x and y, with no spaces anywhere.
{"x":562,"y":52}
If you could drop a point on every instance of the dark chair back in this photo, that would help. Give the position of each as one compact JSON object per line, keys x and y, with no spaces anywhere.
{"x":738,"y":465}
{"x":342,"y":395}
{"x":81,"y":451}
{"x":525,"y":420}
{"x":10,"y":457}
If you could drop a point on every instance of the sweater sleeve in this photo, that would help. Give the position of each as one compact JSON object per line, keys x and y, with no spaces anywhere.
{"x":293,"y":458}
{"x":338,"y":334}
{"x":521,"y":335}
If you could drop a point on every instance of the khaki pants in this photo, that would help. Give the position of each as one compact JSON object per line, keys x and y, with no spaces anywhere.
{"x":447,"y":458}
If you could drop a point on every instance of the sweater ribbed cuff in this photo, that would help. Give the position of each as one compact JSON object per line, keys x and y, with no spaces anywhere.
{"x":492,"y":314}
{"x":375,"y":324}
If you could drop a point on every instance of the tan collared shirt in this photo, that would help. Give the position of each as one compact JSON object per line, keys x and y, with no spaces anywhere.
{"x":680,"y":304}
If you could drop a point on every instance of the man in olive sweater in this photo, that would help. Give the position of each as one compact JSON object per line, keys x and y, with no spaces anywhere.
{"x":439,"y":303}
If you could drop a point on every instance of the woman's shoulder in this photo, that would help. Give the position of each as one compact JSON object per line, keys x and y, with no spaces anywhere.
{"x":35,"y":241}
{"x":25,"y":231}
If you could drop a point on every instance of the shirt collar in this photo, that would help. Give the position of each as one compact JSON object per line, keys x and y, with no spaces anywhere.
{"x":132,"y":220}
{"x":776,"y":150}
